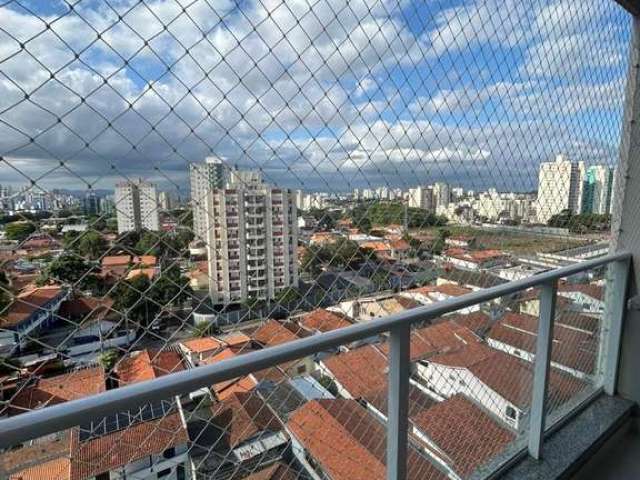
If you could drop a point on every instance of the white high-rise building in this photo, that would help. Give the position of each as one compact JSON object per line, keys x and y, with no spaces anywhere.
{"x":253,"y":240}
{"x":421,"y":197}
{"x":164,"y":201}
{"x":441,"y":195}
{"x":136,"y":204}
{"x":205,"y":177}
{"x":560,"y":186}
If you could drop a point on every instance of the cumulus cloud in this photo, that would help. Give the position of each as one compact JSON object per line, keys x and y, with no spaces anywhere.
{"x":328,"y":94}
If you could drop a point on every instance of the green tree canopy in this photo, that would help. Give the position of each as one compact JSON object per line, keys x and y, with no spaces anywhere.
{"x":67,"y":268}
{"x":89,"y":244}
{"x":19,"y":230}
{"x":342,"y":253}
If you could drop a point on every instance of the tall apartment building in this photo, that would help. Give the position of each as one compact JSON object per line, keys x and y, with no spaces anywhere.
{"x":560,"y":186}
{"x":421,"y":197}
{"x":205,"y":177}
{"x":441,"y":196}
{"x":597,"y":190}
{"x":252,"y":245}
{"x":136,"y":204}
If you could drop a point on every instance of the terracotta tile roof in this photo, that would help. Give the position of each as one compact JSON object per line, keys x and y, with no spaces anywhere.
{"x":114,"y":450}
{"x":572,"y":348}
{"x":442,"y":337}
{"x":61,"y":388}
{"x":116,"y":260}
{"x":578,"y":321}
{"x":376,"y":246}
{"x":235,"y":340}
{"x":56,"y":469}
{"x":322,"y":320}
{"x":202,"y":345}
{"x":464,"y":432}
{"x":400,"y":245}
{"x":477,"y":322}
{"x":348,"y":443}
{"x":147,"y":365}
{"x":450,"y":289}
{"x":590,"y":289}
{"x":146,"y":260}
{"x":27,"y":303}
{"x":276,"y":471}
{"x":243,"y":415}
{"x":273,"y":333}
{"x":147,"y":272}
{"x":512,"y":379}
{"x":81,"y":306}
{"x":463,"y":357}
{"x":360,"y":370}
{"x":229,"y":387}
{"x":42,"y":460}
{"x":363,"y":373}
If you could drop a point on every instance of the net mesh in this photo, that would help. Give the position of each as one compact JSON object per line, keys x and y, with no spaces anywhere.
{"x":187,"y":181}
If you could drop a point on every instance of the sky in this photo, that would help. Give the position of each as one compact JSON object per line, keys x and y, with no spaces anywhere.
{"x":320,"y":95}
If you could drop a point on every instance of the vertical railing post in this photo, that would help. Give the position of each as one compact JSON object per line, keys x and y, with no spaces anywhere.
{"x":541,"y":367}
{"x":615,"y":299}
{"x":398,"y":403}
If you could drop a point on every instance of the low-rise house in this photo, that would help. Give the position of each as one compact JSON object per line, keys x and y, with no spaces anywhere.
{"x":573,"y":351}
{"x":321,"y":320}
{"x":224,"y":390}
{"x":436,"y":293}
{"x":35,"y":392}
{"x":199,"y":276}
{"x":146,"y":365}
{"x":460,"y":241}
{"x":461,"y":435}
{"x":499,"y":382}
{"x":475,"y":259}
{"x":339,"y":439}
{"x":361,"y":374}
{"x":366,"y":308}
{"x":119,"y":266}
{"x":241,"y":435}
{"x":272,"y":333}
{"x":195,"y":350}
{"x":287,"y":395}
{"x":275,"y":471}
{"x":156,"y":448}
{"x":324,"y":238}
{"x":474,"y":280}
{"x":94,"y":326}
{"x":31,"y":311}
{"x":586,"y":297}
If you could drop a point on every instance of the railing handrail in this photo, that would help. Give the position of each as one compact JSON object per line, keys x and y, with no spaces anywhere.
{"x":36,"y":423}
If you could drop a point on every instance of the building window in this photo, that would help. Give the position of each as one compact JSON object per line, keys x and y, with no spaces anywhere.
{"x":511,"y":413}
{"x":164,"y":473}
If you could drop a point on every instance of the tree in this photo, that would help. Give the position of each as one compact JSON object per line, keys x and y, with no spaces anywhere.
{"x":19,"y":230}
{"x":5,"y":296}
{"x":149,"y":244}
{"x":132,"y":298}
{"x":440,"y":243}
{"x":171,"y":287}
{"x":91,"y":245}
{"x":108,"y":359}
{"x":340,"y":254}
{"x":67,"y":268}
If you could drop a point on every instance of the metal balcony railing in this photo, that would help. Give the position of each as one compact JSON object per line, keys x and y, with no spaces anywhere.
{"x":37,"y":423}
